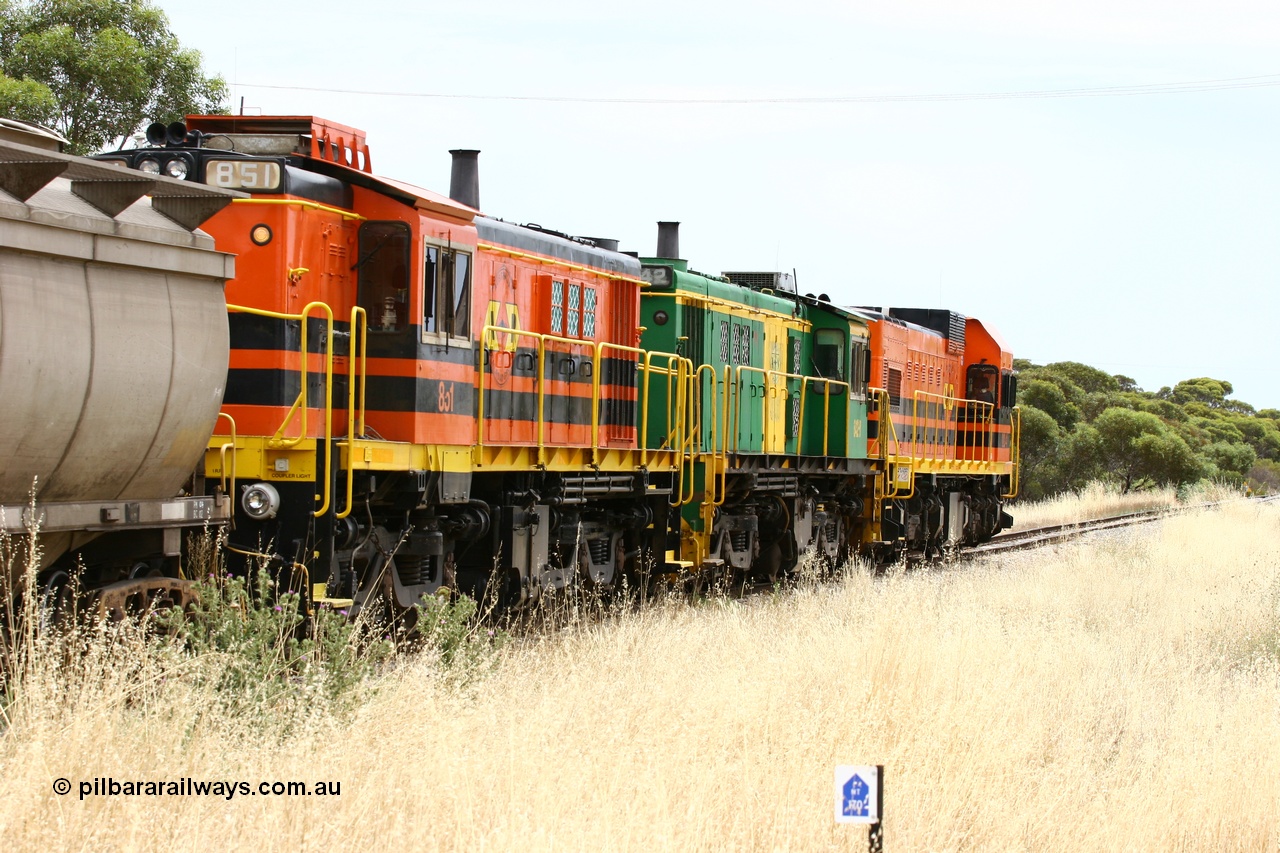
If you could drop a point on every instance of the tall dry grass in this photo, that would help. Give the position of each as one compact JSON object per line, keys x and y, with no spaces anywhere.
{"x":1122,"y":694}
{"x":1102,"y":500}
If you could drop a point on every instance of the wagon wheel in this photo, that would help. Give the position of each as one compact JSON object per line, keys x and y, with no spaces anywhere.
{"x":774,"y":563}
{"x":145,"y":569}
{"x":57,"y":599}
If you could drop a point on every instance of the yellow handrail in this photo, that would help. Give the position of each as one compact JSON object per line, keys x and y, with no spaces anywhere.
{"x":355,"y":423}
{"x":685,"y":416}
{"x":939,"y":448}
{"x":222,"y":454}
{"x":673,"y":438}
{"x":730,"y":418}
{"x":647,"y":371}
{"x":1015,"y":452}
{"x":889,"y":477}
{"x":983,"y":414}
{"x":362,"y":325}
{"x":718,"y":468}
{"x":978,"y":418}
{"x":765,"y":397}
{"x":676,"y":367}
{"x":644,"y":364}
{"x":300,"y":404}
{"x":607,"y":345}
{"x":542,"y":363}
{"x":488,"y":335}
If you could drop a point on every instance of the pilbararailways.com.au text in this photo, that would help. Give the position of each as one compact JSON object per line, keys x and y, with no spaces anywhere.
{"x":188,"y":787}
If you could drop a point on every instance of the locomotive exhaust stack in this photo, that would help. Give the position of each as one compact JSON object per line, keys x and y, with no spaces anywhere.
{"x":464,"y":177}
{"x":669,"y":240}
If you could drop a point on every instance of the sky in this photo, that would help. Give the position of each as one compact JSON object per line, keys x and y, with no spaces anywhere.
{"x":913,"y":154}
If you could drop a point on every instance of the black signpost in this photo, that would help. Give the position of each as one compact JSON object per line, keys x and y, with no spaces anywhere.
{"x":875,"y":832}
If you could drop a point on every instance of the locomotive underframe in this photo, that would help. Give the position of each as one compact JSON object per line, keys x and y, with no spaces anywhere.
{"x":507,"y":538}
{"x":776,"y":508}
{"x":944,"y":513}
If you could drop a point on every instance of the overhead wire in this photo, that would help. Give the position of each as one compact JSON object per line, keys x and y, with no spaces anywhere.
{"x":1184,"y":87}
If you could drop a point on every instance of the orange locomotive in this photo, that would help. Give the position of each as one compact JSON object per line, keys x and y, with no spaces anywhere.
{"x":944,"y":423}
{"x":418,"y":395}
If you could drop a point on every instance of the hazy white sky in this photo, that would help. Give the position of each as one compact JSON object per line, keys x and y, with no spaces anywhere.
{"x":1137,"y":233}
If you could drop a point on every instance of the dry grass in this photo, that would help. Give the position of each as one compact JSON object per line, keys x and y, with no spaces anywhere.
{"x":1118,"y":695}
{"x":1098,"y":500}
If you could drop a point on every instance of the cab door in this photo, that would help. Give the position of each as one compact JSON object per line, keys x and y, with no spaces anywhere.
{"x":827,"y":400}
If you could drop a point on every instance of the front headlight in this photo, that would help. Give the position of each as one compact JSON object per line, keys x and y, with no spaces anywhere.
{"x":176,"y":169}
{"x":261,"y":500}
{"x":149,"y":165}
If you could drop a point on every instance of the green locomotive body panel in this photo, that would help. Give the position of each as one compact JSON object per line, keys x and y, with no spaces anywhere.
{"x":735,"y":338}
{"x":835,"y":402}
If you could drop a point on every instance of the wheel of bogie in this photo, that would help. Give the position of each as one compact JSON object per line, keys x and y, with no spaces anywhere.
{"x":769,"y":565}
{"x":57,"y":599}
{"x":145,"y":569}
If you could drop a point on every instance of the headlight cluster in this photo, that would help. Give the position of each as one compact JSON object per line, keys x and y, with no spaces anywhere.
{"x":173,"y":167}
{"x":169,"y":136}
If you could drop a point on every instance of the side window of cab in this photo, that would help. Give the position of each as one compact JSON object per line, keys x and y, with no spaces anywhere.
{"x":446,"y":292}
{"x":828,"y":354}
{"x":830,"y":360}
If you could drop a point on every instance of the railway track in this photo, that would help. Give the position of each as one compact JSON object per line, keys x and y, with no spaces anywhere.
{"x":1053,"y":533}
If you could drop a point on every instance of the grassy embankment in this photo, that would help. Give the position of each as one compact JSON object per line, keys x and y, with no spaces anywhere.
{"x":1116,"y":695}
{"x":1102,"y":501}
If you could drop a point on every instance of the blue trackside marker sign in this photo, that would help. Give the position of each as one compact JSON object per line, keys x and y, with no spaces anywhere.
{"x":856,"y":794}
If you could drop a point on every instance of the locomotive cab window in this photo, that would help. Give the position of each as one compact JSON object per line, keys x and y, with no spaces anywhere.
{"x":981,"y":383}
{"x":383,"y":275}
{"x":861,"y":363}
{"x":829,"y":359}
{"x":446,"y":292}
{"x":1008,"y":389}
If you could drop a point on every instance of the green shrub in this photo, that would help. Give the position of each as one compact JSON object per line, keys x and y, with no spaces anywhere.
{"x":250,"y":645}
{"x":450,"y":628}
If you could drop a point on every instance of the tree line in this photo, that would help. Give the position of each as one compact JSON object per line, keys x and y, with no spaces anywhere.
{"x":98,"y":71}
{"x":1081,"y":424}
